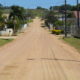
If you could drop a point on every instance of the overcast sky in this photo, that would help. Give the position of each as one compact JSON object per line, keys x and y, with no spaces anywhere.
{"x":35,"y":3}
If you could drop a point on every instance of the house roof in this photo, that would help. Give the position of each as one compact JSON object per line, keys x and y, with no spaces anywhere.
{"x":75,"y":14}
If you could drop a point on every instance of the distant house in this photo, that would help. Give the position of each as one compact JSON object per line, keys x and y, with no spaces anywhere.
{"x":75,"y":29}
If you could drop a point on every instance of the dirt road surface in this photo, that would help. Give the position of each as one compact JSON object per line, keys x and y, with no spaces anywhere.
{"x":38,"y":55}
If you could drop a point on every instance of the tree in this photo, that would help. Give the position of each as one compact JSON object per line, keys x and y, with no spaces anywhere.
{"x":51,"y":8}
{"x":2,"y":20}
{"x":59,"y":23}
{"x":17,"y":12}
{"x":70,"y":15}
{"x":62,"y":7}
{"x":40,"y":8}
{"x":30,"y":14}
{"x":74,"y":8}
{"x":1,"y":6}
{"x":50,"y":18}
{"x":56,"y":7}
{"x":16,"y":17}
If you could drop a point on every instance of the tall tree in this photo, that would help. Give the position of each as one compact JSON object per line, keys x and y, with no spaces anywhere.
{"x":2,"y":20}
{"x":17,"y":12}
{"x":50,"y":18}
{"x":1,"y":6}
{"x":16,"y":17}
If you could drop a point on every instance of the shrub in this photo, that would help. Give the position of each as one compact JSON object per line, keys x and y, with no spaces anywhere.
{"x":29,"y":21}
{"x":57,"y":32}
{"x":10,"y":24}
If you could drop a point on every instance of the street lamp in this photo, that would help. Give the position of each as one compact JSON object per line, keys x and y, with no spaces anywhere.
{"x":65,"y":18}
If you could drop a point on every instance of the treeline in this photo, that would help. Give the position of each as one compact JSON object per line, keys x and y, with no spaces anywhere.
{"x":68,"y":6}
{"x":4,"y":7}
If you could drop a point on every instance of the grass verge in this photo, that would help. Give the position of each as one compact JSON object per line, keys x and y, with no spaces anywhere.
{"x":5,"y":41}
{"x":29,"y":21}
{"x":75,"y":42}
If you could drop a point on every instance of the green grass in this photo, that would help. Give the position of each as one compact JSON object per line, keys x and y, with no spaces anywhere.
{"x":5,"y":41}
{"x":29,"y":21}
{"x":75,"y":42}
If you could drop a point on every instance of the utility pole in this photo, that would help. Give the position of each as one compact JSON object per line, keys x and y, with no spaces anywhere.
{"x":65,"y":18}
{"x":78,"y":14}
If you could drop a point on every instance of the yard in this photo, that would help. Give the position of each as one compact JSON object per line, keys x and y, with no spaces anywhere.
{"x":75,"y":42}
{"x":5,"y":41}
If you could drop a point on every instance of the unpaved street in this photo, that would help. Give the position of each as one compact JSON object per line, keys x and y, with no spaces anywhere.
{"x":38,"y":55}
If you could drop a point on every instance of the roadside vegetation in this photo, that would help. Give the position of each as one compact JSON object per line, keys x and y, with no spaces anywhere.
{"x":75,"y":42}
{"x":15,"y":18}
{"x":5,"y":41}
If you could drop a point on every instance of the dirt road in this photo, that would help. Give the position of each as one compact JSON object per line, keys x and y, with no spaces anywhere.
{"x":38,"y":55}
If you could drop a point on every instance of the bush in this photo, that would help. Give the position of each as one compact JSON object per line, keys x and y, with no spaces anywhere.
{"x":57,"y":32}
{"x":10,"y":24}
{"x":29,"y":21}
